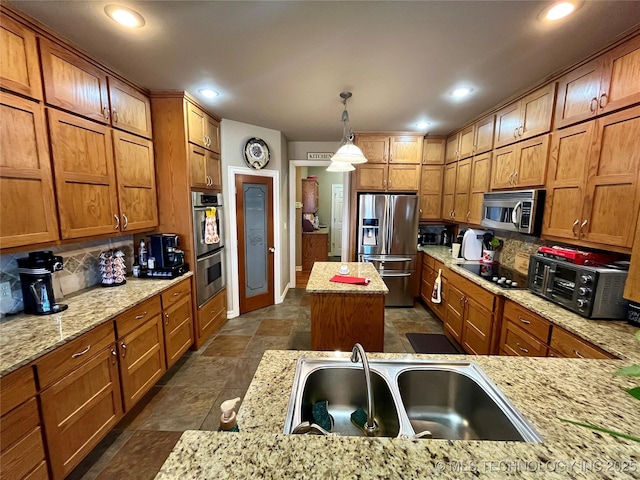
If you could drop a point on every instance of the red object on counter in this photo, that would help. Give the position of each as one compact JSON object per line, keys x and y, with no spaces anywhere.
{"x":578,"y":257}
{"x":350,"y":280}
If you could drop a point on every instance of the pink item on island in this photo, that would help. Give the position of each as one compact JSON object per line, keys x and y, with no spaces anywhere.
{"x":350,"y":280}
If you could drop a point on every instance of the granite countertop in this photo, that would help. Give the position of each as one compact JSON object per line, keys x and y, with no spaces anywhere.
{"x":23,"y":338}
{"x":319,"y":231}
{"x":614,"y":336}
{"x":322,"y":272}
{"x":542,"y":389}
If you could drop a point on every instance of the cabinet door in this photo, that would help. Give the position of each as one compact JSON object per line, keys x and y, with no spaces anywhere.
{"x":578,"y":94}
{"x":431,"y":192}
{"x":612,"y":186}
{"x":72,"y":83}
{"x":504,"y":167}
{"x":478,"y":329}
{"x":483,"y":135}
{"x":212,"y":134}
{"x":136,"y":182}
{"x":196,"y":125}
{"x":198,"y":163}
{"x":142,"y":360}
{"x":463,"y":180}
{"x":405,"y":149}
{"x":465,"y":146}
{"x":620,"y":85}
{"x":309,"y":196}
{"x":178,"y":330}
{"x":480,"y":180}
{"x":632,"y":287}
{"x":531,"y":158}
{"x":19,"y":67}
{"x":449,"y":190}
{"x":507,"y":123}
{"x":26,"y":184}
{"x":568,"y":163}
{"x":130,"y":109}
{"x":21,"y":442}
{"x":433,"y":151}
{"x":80,"y":409}
{"x":537,"y":111}
{"x":371,"y":177}
{"x":374,"y":147}
{"x":403,"y":178}
{"x":454,"y":316}
{"x":211,"y":316}
{"x":214,"y":170}
{"x":82,"y":154}
{"x":451,"y":149}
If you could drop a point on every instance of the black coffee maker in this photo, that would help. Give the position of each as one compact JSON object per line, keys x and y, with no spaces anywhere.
{"x":37,"y":282}
{"x":164,"y":247}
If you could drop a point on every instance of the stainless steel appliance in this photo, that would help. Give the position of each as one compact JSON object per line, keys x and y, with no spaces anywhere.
{"x":593,"y":292}
{"x":515,"y":211}
{"x":208,"y":234}
{"x":387,"y":232}
{"x":36,"y":281}
{"x":500,"y":275}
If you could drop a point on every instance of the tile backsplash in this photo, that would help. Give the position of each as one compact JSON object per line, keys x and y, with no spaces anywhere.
{"x":81,"y":268}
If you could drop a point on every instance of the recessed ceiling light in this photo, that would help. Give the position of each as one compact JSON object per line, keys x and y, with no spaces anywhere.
{"x":124,"y":16}
{"x":207,"y":92}
{"x":461,"y":92}
{"x":422,"y":125}
{"x":559,"y":10}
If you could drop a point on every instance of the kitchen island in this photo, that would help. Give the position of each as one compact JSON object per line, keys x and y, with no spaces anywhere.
{"x":343,"y":314}
{"x":542,"y":389}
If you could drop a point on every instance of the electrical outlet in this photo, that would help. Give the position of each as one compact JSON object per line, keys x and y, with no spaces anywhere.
{"x":5,"y":289}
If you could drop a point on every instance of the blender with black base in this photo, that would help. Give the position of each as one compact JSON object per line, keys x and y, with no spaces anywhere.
{"x":37,"y":282}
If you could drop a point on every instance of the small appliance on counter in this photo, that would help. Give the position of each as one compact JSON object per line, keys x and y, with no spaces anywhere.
{"x":471,"y":248}
{"x":168,"y":259}
{"x":432,"y":235}
{"x":112,"y":268}
{"x":578,"y":257}
{"x":36,"y":280}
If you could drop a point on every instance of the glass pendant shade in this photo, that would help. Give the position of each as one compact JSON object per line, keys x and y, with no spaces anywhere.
{"x":340,"y":167}
{"x":349,"y":153}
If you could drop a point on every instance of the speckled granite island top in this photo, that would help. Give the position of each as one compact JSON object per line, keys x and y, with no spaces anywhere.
{"x":322,"y":272}
{"x":23,"y":338}
{"x":613,"y":336}
{"x":542,"y":389}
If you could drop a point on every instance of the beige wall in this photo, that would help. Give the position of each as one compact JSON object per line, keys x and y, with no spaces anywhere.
{"x":325,"y":180}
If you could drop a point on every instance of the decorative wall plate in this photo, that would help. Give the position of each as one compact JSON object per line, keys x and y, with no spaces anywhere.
{"x":256,"y":153}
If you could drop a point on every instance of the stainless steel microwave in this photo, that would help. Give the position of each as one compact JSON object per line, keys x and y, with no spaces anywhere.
{"x":515,"y":211}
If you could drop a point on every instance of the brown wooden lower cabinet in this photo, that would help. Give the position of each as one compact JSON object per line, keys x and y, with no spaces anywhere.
{"x":80,"y":409}
{"x":211,"y":316}
{"x":315,"y":248}
{"x":568,"y":345}
{"x":517,"y":342}
{"x":430,"y":269}
{"x":178,"y":329}
{"x":454,"y":316}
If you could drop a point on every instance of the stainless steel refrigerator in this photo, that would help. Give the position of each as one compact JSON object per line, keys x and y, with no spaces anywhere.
{"x":387,"y":237}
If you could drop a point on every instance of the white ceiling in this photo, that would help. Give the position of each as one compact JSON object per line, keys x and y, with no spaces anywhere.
{"x":282,"y":64}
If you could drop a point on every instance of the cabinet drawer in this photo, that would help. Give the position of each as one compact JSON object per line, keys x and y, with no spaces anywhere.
{"x":517,"y":342}
{"x":530,"y":322}
{"x":21,"y":459}
{"x":178,"y":330}
{"x":428,"y":261}
{"x":136,"y":316}
{"x":73,"y":354}
{"x":478,"y":329}
{"x":471,"y":290}
{"x":175,"y":293}
{"x":568,"y":345}
{"x":16,"y":387}
{"x":14,"y":424}
{"x":212,"y":314}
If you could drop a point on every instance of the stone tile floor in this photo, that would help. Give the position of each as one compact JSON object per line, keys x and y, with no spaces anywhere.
{"x":189,"y":395}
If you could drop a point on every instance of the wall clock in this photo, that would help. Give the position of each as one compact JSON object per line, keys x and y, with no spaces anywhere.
{"x":256,"y":153}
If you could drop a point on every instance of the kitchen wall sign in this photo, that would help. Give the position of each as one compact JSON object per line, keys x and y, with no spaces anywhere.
{"x":256,"y":153}
{"x":319,"y":155}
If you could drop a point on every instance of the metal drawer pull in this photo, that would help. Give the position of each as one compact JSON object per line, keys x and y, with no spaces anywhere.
{"x":524,"y":321}
{"x":166,"y":315}
{"x":114,"y":355}
{"x":176,"y":294}
{"x":124,"y":349}
{"x":79,"y":354}
{"x":138,"y":317}
{"x":578,"y":354}
{"x":525,"y":350}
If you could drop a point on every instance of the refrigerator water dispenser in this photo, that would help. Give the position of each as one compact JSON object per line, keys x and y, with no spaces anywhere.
{"x":370,"y":229}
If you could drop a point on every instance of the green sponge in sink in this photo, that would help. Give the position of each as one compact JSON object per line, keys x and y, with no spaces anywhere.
{"x":321,"y":415}
{"x":359,"y":418}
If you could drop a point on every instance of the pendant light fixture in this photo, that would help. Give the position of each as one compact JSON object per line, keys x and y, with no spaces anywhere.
{"x":348,"y":152}
{"x":340,"y":167}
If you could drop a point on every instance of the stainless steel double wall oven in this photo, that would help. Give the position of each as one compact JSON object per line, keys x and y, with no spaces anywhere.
{"x":208,"y":234}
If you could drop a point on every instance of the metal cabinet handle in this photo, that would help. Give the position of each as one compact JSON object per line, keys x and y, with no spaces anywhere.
{"x":166,"y":322}
{"x":582,"y":225}
{"x":527,"y":322}
{"x":521,"y":130}
{"x":124,"y":349}
{"x":515,"y":178}
{"x":515,"y":132}
{"x":138,"y":317}
{"x":468,"y":215}
{"x":573,"y":227}
{"x":126,"y":221}
{"x":522,"y":349}
{"x":114,"y":356}
{"x":453,"y":214}
{"x":593,"y":104}
{"x":115,"y":115}
{"x":117,"y":222}
{"x":578,"y":354}
{"x":105,"y":112}
{"x":511,"y":178}
{"x":462,"y":301}
{"x":603,"y":97}
{"x":79,"y":354}
{"x":175,"y":294}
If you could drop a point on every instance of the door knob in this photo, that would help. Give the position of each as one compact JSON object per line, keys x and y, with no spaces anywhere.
{"x":272,"y":250}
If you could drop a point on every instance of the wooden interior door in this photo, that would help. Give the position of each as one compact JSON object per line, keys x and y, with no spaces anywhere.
{"x":136,"y":181}
{"x":337,"y":210}
{"x":82,"y":155}
{"x":26,"y":184}
{"x":612,"y":186}
{"x":256,"y":249}
{"x":20,"y":70}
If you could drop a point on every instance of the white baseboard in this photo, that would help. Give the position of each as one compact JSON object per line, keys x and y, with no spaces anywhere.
{"x":284,"y":294}
{"x":298,"y":268}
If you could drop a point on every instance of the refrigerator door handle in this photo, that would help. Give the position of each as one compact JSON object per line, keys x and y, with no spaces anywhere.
{"x":385,"y":258}
{"x":386,"y":274}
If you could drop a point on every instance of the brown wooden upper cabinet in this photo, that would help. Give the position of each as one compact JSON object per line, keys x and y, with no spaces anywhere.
{"x":607,"y":83}
{"x":433,"y":151}
{"x":309,"y":195}
{"x":203,"y":130}
{"x":455,"y":191}
{"x":632,"y":287}
{"x":471,"y":140}
{"x":592,"y":192}
{"x":525,"y":118}
{"x":479,"y":184}
{"x":26,"y":183}
{"x":130,"y":109}
{"x":523,"y":164}
{"x":483,"y":135}
{"x":385,"y":148}
{"x":205,"y":168}
{"x":431,"y":192}
{"x":19,"y":67}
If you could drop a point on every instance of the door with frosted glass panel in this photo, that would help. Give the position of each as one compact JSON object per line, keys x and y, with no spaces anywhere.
{"x":254,"y":213}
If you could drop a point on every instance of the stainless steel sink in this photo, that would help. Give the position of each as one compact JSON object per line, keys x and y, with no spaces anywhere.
{"x":452,"y":400}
